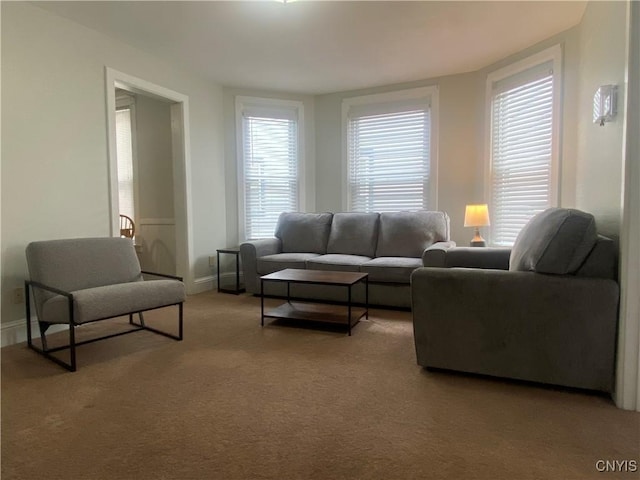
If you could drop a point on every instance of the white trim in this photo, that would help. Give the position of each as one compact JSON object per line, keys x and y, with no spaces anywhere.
{"x":627,"y":393}
{"x":242,"y":102}
{"x":157,"y":221}
{"x":134,"y":154}
{"x":430,"y":92}
{"x":16,"y":331}
{"x":553,"y":54}
{"x":203,"y":284}
{"x":182,"y":162}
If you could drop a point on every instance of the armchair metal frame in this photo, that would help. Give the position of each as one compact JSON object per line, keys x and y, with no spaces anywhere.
{"x":71,"y":366}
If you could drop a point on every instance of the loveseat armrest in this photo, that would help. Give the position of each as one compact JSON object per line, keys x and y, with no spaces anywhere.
{"x":163,"y":275}
{"x":434,"y":255}
{"x":469,"y":257}
{"x":556,"y":329}
{"x":249,"y":253}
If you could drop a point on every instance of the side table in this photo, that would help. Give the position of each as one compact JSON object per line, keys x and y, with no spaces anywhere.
{"x":238,"y":288}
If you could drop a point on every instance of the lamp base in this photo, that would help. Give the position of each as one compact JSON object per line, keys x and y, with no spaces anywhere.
{"x":477,"y":240}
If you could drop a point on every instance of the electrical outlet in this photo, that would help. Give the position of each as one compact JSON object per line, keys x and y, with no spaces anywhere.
{"x":212,"y":261}
{"x":17,"y":296}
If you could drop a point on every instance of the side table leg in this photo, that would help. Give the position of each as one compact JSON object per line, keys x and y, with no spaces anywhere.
{"x":349,"y":315}
{"x":218,"y":269}
{"x":261,"y":303}
{"x":366,"y":297}
{"x":238,"y":273}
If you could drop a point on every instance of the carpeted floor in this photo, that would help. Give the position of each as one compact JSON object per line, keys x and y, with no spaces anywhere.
{"x":237,"y":401}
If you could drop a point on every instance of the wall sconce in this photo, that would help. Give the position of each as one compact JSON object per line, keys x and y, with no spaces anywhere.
{"x":477,"y":216}
{"x":605,"y":104}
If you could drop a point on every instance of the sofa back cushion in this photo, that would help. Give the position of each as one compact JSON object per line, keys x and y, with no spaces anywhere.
{"x":354,"y":234}
{"x":81,"y":263}
{"x":602,"y":261}
{"x":555,"y":241}
{"x":408,"y":234}
{"x":304,"y":232}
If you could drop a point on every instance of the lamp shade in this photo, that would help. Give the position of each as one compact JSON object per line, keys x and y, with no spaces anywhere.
{"x":476,"y":215}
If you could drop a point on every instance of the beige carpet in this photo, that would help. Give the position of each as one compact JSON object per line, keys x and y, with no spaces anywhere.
{"x":237,"y":401}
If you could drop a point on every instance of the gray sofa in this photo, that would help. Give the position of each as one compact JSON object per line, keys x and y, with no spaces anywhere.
{"x":545,"y":311}
{"x":387,"y":246}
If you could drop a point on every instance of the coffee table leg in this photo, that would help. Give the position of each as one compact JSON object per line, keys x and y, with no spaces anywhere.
{"x":262,"y":303}
{"x":366,"y":296}
{"x":349,"y":315}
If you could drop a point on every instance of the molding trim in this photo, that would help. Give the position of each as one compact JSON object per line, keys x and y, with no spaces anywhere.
{"x":16,"y":331}
{"x":210,"y":282}
{"x":627,"y":395}
{"x":202,"y":284}
{"x":156,"y":221}
{"x":181,"y":150}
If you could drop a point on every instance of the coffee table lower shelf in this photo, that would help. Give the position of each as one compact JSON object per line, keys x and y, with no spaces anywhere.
{"x":314,"y":312}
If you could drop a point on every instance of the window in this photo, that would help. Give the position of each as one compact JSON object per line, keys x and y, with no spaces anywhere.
{"x":523,"y":143}
{"x":124,"y":153}
{"x":389,"y":149}
{"x":270,"y":166}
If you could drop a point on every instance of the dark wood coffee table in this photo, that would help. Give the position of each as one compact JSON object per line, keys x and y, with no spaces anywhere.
{"x":317,"y":312}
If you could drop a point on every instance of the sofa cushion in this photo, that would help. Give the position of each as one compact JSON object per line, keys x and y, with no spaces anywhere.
{"x":408,"y":234}
{"x":343,"y":263}
{"x":354,"y":234}
{"x":555,"y":241}
{"x":280,"y":261}
{"x":304,"y":232}
{"x":98,"y":302}
{"x":391,"y":269}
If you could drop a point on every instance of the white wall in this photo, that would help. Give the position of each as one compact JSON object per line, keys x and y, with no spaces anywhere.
{"x":463,"y":136}
{"x":569,"y":42}
{"x":599,"y":149}
{"x":460,"y":107}
{"x":54,"y":141}
{"x":155,"y":229}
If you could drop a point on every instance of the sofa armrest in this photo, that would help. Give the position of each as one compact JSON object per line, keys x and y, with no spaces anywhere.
{"x":434,"y":255}
{"x":249,"y":254}
{"x":473,"y":257}
{"x":556,"y":329}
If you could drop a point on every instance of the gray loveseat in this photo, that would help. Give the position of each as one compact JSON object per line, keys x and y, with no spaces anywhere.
{"x":82,"y":280}
{"x":387,"y":246}
{"x":545,"y":311}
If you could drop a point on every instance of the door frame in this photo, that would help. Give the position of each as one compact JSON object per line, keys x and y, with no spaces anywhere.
{"x":181,"y":154}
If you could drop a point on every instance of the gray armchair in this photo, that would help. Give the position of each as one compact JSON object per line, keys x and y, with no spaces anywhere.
{"x":545,"y":311}
{"x":78,"y":281}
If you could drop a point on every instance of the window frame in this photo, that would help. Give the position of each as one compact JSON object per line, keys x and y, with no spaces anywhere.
{"x":274,"y":105}
{"x":554,"y":55}
{"x":124,"y":102}
{"x":429,"y":93}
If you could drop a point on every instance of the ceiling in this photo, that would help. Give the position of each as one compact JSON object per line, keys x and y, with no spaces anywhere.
{"x":317,"y":47}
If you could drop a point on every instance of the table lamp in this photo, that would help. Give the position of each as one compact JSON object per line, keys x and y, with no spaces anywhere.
{"x":477,"y":216}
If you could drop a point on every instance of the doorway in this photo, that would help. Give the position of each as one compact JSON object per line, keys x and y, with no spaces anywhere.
{"x":155,"y":192}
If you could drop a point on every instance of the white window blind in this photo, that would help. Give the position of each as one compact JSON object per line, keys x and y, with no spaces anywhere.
{"x":270,"y":167}
{"x":521,"y":151}
{"x":388,"y":156}
{"x":124,"y":153}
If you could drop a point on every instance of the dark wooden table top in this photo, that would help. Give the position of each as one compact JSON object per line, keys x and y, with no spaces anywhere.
{"x":315,"y":276}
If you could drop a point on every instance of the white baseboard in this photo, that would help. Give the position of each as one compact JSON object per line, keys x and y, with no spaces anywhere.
{"x":16,"y":331}
{"x":210,"y":282}
{"x":203,"y":284}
